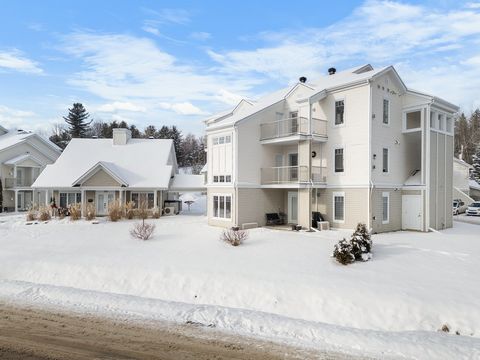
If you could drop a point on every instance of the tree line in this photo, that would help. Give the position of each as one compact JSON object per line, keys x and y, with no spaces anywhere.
{"x":190,"y":149}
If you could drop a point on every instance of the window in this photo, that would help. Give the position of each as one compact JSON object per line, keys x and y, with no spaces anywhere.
{"x":228,"y":139}
{"x":215,"y":141}
{"x":222,"y":206}
{"x":339,"y":207}
{"x":386,"y":111}
{"x":339,"y":112}
{"x":222,"y":178}
{"x":385,"y":160}
{"x":228,"y":178}
{"x":441,"y":126}
{"x":143,"y":197}
{"x":215,"y":178}
{"x":339,"y":166}
{"x":67,"y":199}
{"x":385,"y":208}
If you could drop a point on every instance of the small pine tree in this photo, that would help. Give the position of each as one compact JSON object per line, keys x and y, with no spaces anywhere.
{"x":343,"y":252}
{"x":361,"y":242}
{"x":77,"y":121}
{"x":476,"y":165}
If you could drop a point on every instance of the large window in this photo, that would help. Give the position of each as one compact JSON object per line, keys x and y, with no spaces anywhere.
{"x":385,"y":160}
{"x":70,"y":198}
{"x":144,"y":197}
{"x":385,"y":208}
{"x":386,"y":111}
{"x":339,"y":112}
{"x":339,"y":160}
{"x":222,"y":206}
{"x":339,"y":207}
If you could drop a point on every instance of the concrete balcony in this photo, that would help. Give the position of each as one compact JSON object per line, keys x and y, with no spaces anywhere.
{"x":293,"y":129}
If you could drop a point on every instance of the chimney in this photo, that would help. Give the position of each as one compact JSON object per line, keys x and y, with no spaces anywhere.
{"x":302,"y":79}
{"x":121,"y":136}
{"x":332,"y":71}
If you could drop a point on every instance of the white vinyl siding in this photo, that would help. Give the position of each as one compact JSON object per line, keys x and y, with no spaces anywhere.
{"x":221,"y":158}
{"x":222,"y":206}
{"x":385,"y":208}
{"x":339,"y":207}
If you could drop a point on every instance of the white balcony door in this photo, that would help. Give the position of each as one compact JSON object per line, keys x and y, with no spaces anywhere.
{"x":292,"y":207}
{"x":293,"y":163}
{"x":20,"y":177}
{"x":103,"y":201}
{"x":294,"y":122}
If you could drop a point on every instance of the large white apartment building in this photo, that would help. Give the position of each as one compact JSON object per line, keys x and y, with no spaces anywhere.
{"x":356,"y":146}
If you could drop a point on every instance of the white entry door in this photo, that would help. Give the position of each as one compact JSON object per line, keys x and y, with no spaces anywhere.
{"x":103,"y":200}
{"x":412,"y":212}
{"x":292,"y":207}
{"x":20,"y":201}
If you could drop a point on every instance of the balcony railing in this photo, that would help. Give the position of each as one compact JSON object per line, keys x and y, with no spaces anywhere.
{"x":11,"y":183}
{"x":319,"y":175}
{"x":284,"y":175}
{"x":292,"y":126}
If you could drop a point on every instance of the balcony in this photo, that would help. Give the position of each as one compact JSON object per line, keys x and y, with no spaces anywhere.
{"x":11,"y":183}
{"x":294,"y":128}
{"x":281,"y":175}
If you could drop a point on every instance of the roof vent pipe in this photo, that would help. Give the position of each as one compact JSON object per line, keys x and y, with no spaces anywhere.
{"x":332,"y":71}
{"x":302,"y":79}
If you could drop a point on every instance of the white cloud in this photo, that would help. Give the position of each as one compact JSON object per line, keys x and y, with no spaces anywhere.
{"x":227,"y":97}
{"x":120,"y":106}
{"x":184,"y":108}
{"x":15,"y":60}
{"x":200,"y":35}
{"x":175,"y":16}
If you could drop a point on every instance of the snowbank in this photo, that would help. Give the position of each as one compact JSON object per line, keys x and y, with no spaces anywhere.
{"x":285,"y":282}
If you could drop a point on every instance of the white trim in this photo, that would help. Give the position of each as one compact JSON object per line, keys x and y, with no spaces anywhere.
{"x":338,"y":194}
{"x":225,"y":195}
{"x":386,"y":195}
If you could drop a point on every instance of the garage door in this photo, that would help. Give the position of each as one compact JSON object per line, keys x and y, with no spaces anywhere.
{"x":412,"y":213}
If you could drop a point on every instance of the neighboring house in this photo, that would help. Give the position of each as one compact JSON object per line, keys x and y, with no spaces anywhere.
{"x":474,"y":190}
{"x":356,"y":146}
{"x":23,"y":156}
{"x":461,"y":181}
{"x":100,"y":171}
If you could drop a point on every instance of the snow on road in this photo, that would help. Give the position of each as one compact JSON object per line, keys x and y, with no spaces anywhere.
{"x":279,"y":284}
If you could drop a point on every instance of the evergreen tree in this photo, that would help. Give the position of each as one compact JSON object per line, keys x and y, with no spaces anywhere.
{"x":476,"y":165}
{"x":60,"y":136}
{"x":177,"y":137}
{"x":135,"y":132}
{"x":164,"y":132}
{"x":77,"y":121}
{"x":361,"y":243}
{"x":150,"y":131}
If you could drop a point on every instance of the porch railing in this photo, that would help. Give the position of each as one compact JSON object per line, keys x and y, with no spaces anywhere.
{"x":292,"y":126}
{"x":11,"y":183}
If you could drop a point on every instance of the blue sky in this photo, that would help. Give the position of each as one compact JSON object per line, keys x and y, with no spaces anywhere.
{"x":176,"y":62}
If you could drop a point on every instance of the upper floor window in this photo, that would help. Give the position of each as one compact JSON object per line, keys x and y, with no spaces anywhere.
{"x":385,"y":160}
{"x":339,"y":163}
{"x":339,"y":112}
{"x":218,"y":140}
{"x":386,"y":111}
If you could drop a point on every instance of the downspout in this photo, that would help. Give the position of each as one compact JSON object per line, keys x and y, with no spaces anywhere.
{"x":370,"y":183}
{"x":235,"y":172}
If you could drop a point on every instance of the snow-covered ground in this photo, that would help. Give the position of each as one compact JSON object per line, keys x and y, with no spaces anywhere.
{"x":279,"y":284}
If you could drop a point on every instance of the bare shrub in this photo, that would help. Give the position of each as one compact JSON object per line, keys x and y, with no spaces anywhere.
{"x":75,"y":212}
{"x":115,"y":211}
{"x":156,"y":213}
{"x":44,"y":213}
{"x":31,"y":214}
{"x":142,"y":211}
{"x":142,"y":230}
{"x":90,"y":211}
{"x":129,"y":210}
{"x":234,"y":237}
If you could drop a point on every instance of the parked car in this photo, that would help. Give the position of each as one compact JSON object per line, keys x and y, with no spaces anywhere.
{"x":473,"y":209}
{"x":459,"y":207}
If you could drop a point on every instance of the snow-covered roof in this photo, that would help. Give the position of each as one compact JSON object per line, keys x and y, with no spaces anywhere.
{"x":473,"y":184}
{"x":140,"y":163}
{"x":185,"y":182}
{"x":463,"y":163}
{"x":204,"y":169}
{"x":325,"y":83}
{"x":13,"y":138}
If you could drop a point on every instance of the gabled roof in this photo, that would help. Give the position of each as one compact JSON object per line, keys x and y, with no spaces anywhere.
{"x":13,"y":138}
{"x":109,"y":168}
{"x":434,"y":99}
{"x":316,"y":90}
{"x":18,"y":159}
{"x":141,"y":163}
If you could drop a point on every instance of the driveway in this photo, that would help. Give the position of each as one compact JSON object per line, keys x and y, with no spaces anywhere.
{"x":467,"y":219}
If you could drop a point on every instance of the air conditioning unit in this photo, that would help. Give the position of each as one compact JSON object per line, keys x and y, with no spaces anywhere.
{"x":169,"y":210}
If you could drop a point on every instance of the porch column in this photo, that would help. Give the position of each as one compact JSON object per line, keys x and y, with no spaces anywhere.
{"x":46,"y":197}
{"x":82,"y":202}
{"x":304,"y":205}
{"x":155,"y":205}
{"x":15,"y":199}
